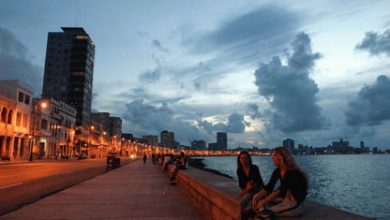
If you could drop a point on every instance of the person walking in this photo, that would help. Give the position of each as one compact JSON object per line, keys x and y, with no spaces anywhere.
{"x":144,"y":158}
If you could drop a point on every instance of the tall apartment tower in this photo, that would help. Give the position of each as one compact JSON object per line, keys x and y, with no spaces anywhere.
{"x":167,"y":139}
{"x":222,"y":140}
{"x":69,"y":70}
{"x":289,"y":144}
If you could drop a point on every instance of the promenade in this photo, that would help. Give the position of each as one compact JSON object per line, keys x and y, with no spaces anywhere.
{"x":134,"y":191}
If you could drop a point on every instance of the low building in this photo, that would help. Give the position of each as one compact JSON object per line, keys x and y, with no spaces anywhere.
{"x":15,"y":108}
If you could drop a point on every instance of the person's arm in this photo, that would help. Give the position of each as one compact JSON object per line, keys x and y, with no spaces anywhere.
{"x":274,"y":178}
{"x":241,"y":179}
{"x":266,"y":200}
{"x":257,"y":178}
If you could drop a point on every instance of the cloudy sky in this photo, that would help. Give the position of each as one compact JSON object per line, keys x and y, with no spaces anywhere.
{"x":314,"y":71}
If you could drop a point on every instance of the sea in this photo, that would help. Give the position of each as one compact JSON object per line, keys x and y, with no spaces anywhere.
{"x":355,"y":183}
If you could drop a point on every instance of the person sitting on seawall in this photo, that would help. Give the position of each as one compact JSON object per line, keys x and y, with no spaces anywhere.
{"x":180,"y":165}
{"x":287,"y":199}
{"x":249,"y":180}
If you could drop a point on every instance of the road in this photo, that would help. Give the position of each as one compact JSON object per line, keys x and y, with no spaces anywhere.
{"x":25,"y":183}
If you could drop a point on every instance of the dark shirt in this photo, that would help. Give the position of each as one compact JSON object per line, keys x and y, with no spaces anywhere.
{"x":254,"y":174}
{"x":293,"y":180}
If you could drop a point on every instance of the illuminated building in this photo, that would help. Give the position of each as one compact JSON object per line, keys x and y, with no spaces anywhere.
{"x":15,"y":115}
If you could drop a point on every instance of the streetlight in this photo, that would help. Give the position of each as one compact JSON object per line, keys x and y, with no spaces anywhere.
{"x":40,"y":105}
{"x":91,"y":128}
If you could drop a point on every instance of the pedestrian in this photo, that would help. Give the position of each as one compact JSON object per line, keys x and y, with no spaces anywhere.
{"x":144,"y":158}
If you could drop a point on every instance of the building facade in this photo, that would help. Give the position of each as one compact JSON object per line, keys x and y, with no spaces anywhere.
{"x":15,"y":115}
{"x":222,"y":140}
{"x":68,"y":74}
{"x":198,"y":145}
{"x":151,"y":140}
{"x":289,"y":144}
{"x":62,"y":122}
{"x":167,"y":139}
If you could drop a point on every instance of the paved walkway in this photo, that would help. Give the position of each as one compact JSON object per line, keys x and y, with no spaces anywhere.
{"x":134,"y":191}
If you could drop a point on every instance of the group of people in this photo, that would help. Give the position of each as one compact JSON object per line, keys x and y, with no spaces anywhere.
{"x":264,"y":201}
{"x":179,"y":162}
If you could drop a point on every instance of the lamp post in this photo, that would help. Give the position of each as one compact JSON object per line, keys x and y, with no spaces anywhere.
{"x":114,"y":143}
{"x":36,"y":106}
{"x":91,"y":128}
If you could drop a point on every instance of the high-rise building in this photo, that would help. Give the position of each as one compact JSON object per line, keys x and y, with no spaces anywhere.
{"x":222,"y":140}
{"x":289,"y":144}
{"x":198,"y":144}
{"x":151,"y":140}
{"x":103,"y":118}
{"x":116,"y":126}
{"x":68,"y":72}
{"x":167,"y":139}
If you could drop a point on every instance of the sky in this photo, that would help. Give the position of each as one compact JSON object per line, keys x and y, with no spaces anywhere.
{"x":262,"y":71}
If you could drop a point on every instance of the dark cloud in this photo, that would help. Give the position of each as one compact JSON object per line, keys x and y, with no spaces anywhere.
{"x":142,"y":93}
{"x":14,"y":62}
{"x":154,"y":119}
{"x":253,"y":111}
{"x":251,"y":35}
{"x":150,"y":76}
{"x":372,"y":105}
{"x":235,"y":124}
{"x":375,"y":43}
{"x":290,"y":90}
{"x":158,"y":45}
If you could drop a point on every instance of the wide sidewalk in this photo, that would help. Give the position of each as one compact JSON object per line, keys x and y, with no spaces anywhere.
{"x":134,"y":191}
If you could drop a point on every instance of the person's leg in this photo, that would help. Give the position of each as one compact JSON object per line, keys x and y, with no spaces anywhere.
{"x":288,"y":207}
{"x":246,"y":205}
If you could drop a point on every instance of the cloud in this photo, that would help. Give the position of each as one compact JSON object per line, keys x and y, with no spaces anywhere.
{"x":253,"y":111}
{"x":235,"y":124}
{"x":158,"y":45}
{"x":252,"y":35}
{"x":154,"y":119}
{"x":150,"y":76}
{"x":289,"y":89}
{"x":14,"y":63}
{"x":375,"y":43}
{"x":372,"y":105}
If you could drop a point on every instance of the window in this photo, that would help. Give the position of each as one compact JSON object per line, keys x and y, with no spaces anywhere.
{"x":4,"y":115}
{"x":21,"y":96}
{"x":10,"y":113}
{"x":44,"y":124}
{"x":18,"y":119}
{"x":24,"y":118}
{"x":27,"y":99}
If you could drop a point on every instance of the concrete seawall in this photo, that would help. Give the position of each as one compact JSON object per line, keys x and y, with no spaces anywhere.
{"x":217,"y":197}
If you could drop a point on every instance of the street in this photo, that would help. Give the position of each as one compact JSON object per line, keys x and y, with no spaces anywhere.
{"x":27,"y":182}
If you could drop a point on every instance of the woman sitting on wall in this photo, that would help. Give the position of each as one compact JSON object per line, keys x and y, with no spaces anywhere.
{"x":250,"y":182}
{"x":287,"y":199}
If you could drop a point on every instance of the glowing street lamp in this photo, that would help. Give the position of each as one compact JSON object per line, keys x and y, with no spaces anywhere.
{"x":91,"y":128}
{"x":40,"y":105}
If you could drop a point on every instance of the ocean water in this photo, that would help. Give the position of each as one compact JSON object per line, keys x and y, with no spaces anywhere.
{"x":356,"y":183}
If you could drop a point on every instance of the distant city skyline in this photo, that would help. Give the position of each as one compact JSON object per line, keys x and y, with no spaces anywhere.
{"x":262,"y":71}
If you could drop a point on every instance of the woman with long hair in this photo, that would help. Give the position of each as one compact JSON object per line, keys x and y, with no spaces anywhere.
{"x":250,"y":181}
{"x":287,"y":199}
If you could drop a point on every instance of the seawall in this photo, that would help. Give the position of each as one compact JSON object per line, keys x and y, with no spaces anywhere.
{"x":218,"y":197}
